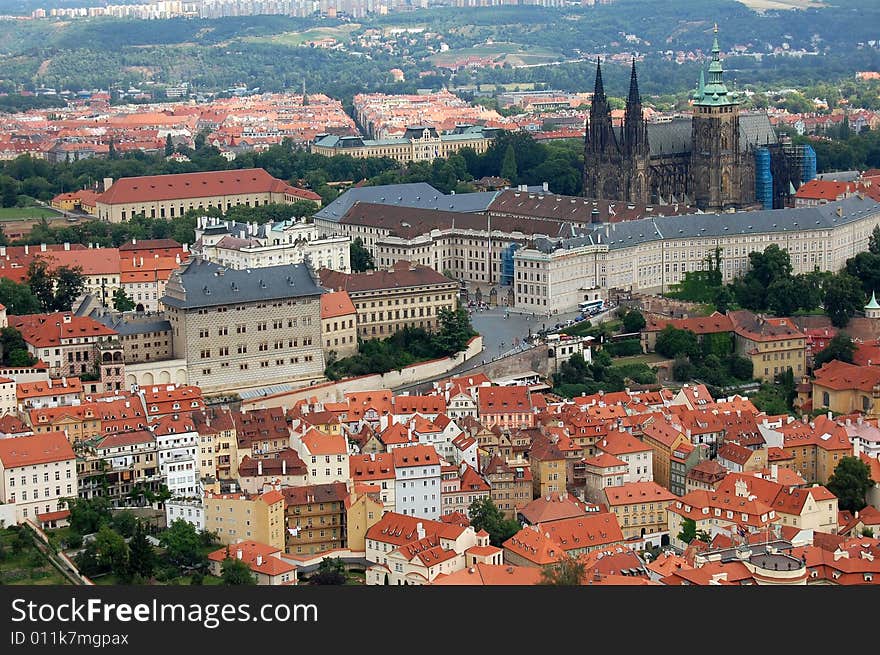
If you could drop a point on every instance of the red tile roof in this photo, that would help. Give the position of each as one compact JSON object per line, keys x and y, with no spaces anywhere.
{"x":48,"y":330}
{"x":35,"y":449}
{"x":335,"y":304}
{"x":504,"y":400}
{"x":637,"y":492}
{"x":839,"y":375}
{"x":407,"y":456}
{"x":403,"y":274}
{"x":152,"y":188}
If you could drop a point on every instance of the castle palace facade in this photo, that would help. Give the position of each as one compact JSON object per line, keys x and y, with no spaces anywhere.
{"x":706,"y":159}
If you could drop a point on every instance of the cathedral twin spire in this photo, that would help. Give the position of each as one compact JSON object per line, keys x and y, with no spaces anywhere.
{"x":633,"y":136}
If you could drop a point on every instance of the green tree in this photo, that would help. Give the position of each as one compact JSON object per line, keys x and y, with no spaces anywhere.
{"x":633,"y":321}
{"x":14,"y":349}
{"x":682,"y":369}
{"x":112,"y":550}
{"x":182,"y":543}
{"x":69,"y":285}
{"x":455,"y":330}
{"x":485,"y":515}
{"x":121,"y":301}
{"x":141,"y":556}
{"x":124,"y":523}
{"x":672,"y":342}
{"x":843,"y":298}
{"x":42,"y":284}
{"x":361,"y":258}
{"x":841,"y":347}
{"x":88,"y":515}
{"x":169,"y":146}
{"x":741,"y":368}
{"x":850,"y":482}
{"x":688,"y":531}
{"x":508,"y":165}
{"x":874,"y":241}
{"x":331,"y":571}
{"x":236,"y":572}
{"x":566,"y":572}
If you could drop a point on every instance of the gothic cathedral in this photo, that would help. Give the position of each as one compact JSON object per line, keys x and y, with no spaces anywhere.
{"x":706,"y":159}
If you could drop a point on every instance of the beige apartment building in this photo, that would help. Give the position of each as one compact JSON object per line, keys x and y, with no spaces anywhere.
{"x":240,"y":329}
{"x":652,"y":254}
{"x":419,"y":143}
{"x":773,"y":344}
{"x":243,"y":517}
{"x":170,"y":196}
{"x":405,"y":295}
{"x":338,"y":324}
{"x":36,"y":472}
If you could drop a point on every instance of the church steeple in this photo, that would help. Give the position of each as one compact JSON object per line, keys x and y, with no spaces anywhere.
{"x":635,"y":134}
{"x":714,"y":93}
{"x":600,"y":133}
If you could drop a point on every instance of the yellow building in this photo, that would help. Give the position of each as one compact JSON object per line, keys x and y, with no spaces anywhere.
{"x":218,"y":441}
{"x":640,"y":508}
{"x":548,"y":468}
{"x":242,"y":517}
{"x":363,"y":509}
{"x":405,"y":295}
{"x":79,"y":422}
{"x":665,"y":440}
{"x":773,"y":344}
{"x":338,"y":325}
{"x":847,"y":388}
{"x":171,"y":196}
{"x":419,"y":143}
{"x":815,"y":448}
{"x":316,"y":518}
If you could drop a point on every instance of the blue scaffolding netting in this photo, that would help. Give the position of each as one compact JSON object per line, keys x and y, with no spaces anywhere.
{"x":507,"y":264}
{"x":763,"y":178}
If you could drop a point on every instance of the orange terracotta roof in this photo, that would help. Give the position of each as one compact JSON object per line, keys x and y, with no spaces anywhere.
{"x":319,"y":443}
{"x":335,"y":304}
{"x":637,"y":492}
{"x":35,"y":449}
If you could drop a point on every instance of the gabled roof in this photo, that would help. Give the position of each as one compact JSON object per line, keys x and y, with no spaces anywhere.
{"x":35,"y":449}
{"x":637,"y":492}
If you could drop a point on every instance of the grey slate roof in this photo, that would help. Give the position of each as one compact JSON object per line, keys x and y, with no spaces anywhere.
{"x":674,"y":137}
{"x":418,"y":194}
{"x":840,"y":176}
{"x":823,"y":217}
{"x":205,"y":286}
{"x":126,"y":326}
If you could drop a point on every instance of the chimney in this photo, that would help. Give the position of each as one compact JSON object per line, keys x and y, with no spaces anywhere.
{"x":259,"y":560}
{"x":372,"y":457}
{"x":774,"y":472}
{"x":27,"y":249}
{"x":259,"y":467}
{"x":185,"y":247}
{"x":420,"y":530}
{"x":283,"y":467}
{"x":238,"y":554}
{"x":67,"y":245}
{"x":142,"y":261}
{"x":42,"y":247}
{"x":108,"y":182}
{"x":2,"y":251}
{"x":545,"y":186}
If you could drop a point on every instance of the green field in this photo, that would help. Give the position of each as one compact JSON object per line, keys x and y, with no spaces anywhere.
{"x":341,"y":34}
{"x":24,"y":564}
{"x":26,"y":213}
{"x":508,"y":53}
{"x":649,"y":358}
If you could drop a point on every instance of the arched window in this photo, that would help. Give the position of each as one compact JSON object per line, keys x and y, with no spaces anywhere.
{"x":826,"y":399}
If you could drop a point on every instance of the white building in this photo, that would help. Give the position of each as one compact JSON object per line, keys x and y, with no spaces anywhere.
{"x":249,"y":245}
{"x":178,"y":446}
{"x":417,"y":481}
{"x":36,"y":472}
{"x":191,"y":511}
{"x":8,"y":402}
{"x":325,"y":456}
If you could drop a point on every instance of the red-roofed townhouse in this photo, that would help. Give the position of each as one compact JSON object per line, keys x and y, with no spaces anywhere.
{"x":507,"y":407}
{"x":375,"y":469}
{"x":847,"y":388}
{"x":714,"y":509}
{"x":465,"y":450}
{"x":854,"y":561}
{"x":816,"y":448}
{"x":639,"y":456}
{"x":68,"y":344}
{"x":510,"y":484}
{"x":122,"y":467}
{"x":694,"y":397}
{"x":79,"y":422}
{"x":8,"y":398}
{"x":219,"y":441}
{"x":177,"y":444}
{"x":338,"y":324}
{"x":325,"y":456}
{"x":640,"y":508}
{"x":864,"y":436}
{"x":36,"y":472}
{"x":668,"y":443}
{"x":461,"y":488}
{"x":285,"y":469}
{"x":405,"y":408}
{"x":491,"y":575}
{"x":405,"y":549}
{"x":547,"y":462}
{"x":706,"y":475}
{"x":417,"y":490}
{"x":162,"y":400}
{"x":236,"y":517}
{"x":12,"y":426}
{"x":372,"y":407}
{"x":261,"y":432}
{"x":48,"y":393}
{"x":265,"y":562}
{"x":315,"y":518}
{"x":774,"y":345}
{"x":546,"y":543}
{"x":736,"y":458}
{"x":144,"y":278}
{"x":601,"y":471}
